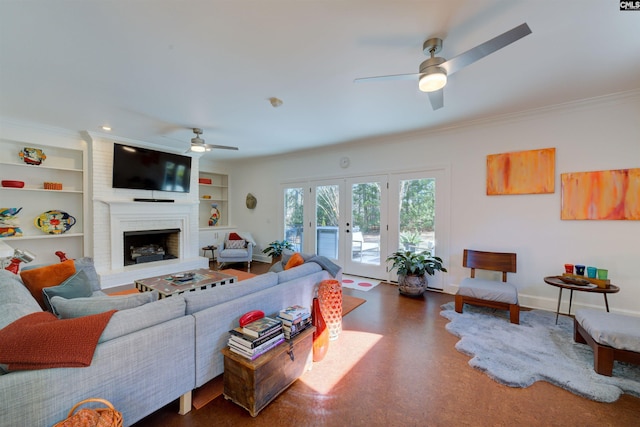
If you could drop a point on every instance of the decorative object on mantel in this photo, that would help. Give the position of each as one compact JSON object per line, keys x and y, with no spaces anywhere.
{"x":54,"y":222}
{"x":215,"y":215}
{"x":9,"y":224}
{"x":610,"y":194}
{"x":251,"y":201}
{"x":32,"y":156}
{"x":522,"y":172}
{"x":12,"y":183}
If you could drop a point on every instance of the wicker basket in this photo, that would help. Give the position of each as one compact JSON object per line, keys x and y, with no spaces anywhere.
{"x":92,"y":417}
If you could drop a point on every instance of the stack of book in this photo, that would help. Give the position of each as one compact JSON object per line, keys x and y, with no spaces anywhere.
{"x":256,"y":338}
{"x":295,"y":319}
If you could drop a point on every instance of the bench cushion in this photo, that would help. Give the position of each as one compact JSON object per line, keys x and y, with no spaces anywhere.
{"x":615,"y":330}
{"x":489,"y":290}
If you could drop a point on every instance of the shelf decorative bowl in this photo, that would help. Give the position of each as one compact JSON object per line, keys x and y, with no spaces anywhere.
{"x":32,"y":156}
{"x":54,"y":222}
{"x":12,"y":184}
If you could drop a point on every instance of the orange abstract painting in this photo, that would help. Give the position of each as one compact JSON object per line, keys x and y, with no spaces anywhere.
{"x":613,"y":194}
{"x":522,"y":172}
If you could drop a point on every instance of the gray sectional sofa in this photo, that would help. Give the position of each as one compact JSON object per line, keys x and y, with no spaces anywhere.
{"x":147,"y":356}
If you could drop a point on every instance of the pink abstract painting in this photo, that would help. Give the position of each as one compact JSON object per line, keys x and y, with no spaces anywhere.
{"x":522,"y":172}
{"x":612,"y":194}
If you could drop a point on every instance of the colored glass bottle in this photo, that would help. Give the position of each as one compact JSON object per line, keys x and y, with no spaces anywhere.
{"x":321,"y":334}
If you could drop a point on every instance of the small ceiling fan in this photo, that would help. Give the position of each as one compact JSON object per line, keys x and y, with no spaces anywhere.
{"x":199,"y":146}
{"x":432,"y":75}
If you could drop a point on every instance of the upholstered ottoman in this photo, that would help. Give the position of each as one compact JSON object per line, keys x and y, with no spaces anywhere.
{"x":611,"y":336}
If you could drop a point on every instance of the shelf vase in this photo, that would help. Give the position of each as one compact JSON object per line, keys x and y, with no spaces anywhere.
{"x":214,"y":217}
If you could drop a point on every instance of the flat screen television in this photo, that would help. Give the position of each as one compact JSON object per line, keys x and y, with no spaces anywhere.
{"x":144,"y":169}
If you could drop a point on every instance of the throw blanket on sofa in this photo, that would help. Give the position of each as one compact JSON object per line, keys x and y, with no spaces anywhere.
{"x":42,"y":341}
{"x":326,"y":264}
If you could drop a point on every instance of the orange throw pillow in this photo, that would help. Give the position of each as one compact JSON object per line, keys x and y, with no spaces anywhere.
{"x":295,"y":260}
{"x":45,"y":277}
{"x":235,"y":236}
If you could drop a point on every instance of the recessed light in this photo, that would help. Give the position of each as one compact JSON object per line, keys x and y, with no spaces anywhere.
{"x":107,"y":128}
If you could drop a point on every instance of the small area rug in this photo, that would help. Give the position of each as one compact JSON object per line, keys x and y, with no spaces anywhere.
{"x":241,"y":275}
{"x":359,"y":283}
{"x":535,"y":350}
{"x":215,"y":387}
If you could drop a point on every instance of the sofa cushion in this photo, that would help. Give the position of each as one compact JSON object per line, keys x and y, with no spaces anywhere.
{"x":235,"y":244}
{"x":230,"y":253}
{"x":86,"y":264}
{"x":295,"y":260}
{"x":126,"y":322}
{"x":42,"y":341}
{"x":615,"y":330}
{"x":16,"y":300}
{"x":299,"y":271}
{"x":76,"y":286}
{"x":78,"y":307}
{"x":197,"y":301}
{"x":51,"y":275}
{"x":489,"y":290}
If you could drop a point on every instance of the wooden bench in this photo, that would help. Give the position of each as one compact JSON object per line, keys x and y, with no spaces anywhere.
{"x":489,"y":293}
{"x":610,"y":336}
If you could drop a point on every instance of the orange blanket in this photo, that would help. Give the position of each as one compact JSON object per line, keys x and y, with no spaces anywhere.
{"x":42,"y":341}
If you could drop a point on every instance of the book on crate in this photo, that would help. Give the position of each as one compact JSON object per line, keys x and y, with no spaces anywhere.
{"x":293,"y":313}
{"x":240,"y":338}
{"x":261,"y":327}
{"x":254,"y":353}
{"x":290,"y":331}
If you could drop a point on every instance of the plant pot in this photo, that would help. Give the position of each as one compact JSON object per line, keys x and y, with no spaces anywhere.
{"x":412,"y":286}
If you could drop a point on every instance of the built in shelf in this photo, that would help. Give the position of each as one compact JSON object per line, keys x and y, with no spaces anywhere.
{"x":24,"y":165}
{"x":43,"y":236}
{"x":64,"y":190}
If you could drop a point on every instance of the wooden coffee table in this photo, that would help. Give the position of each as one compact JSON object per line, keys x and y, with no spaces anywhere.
{"x":203,"y":279}
{"x":555,"y":281}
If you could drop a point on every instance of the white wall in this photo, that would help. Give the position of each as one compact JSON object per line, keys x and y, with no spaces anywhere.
{"x":593,"y":135}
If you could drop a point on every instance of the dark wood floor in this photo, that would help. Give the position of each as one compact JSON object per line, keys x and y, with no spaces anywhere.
{"x":395,"y":365}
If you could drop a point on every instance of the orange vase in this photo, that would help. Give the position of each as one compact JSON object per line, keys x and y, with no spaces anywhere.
{"x":330,"y":296}
{"x":321,"y":334}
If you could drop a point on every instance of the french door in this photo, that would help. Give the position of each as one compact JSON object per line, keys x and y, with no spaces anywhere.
{"x":358,"y":221}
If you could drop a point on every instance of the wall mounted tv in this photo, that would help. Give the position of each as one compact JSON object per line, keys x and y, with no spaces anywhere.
{"x":144,"y":169}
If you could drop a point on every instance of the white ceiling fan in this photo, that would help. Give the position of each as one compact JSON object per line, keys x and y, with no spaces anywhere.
{"x":432,"y":75}
{"x":199,"y":146}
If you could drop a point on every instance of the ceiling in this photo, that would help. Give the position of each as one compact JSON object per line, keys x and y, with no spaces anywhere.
{"x":152,"y":70}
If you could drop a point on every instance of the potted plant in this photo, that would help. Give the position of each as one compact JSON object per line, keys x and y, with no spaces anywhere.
{"x":413,"y":268}
{"x":275,"y":249}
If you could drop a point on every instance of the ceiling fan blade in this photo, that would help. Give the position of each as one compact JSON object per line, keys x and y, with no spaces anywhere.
{"x":412,"y":76}
{"x":221,"y":147}
{"x":436,"y":99}
{"x":486,"y":48}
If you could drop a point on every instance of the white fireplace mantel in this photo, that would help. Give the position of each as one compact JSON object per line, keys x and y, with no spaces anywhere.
{"x":127,"y":215}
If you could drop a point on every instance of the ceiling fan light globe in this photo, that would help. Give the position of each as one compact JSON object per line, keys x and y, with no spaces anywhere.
{"x":198,"y":148}
{"x":433,"y":80}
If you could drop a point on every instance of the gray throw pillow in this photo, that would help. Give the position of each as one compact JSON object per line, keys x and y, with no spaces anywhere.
{"x":78,"y":307}
{"x":86,"y":264}
{"x":76,"y":286}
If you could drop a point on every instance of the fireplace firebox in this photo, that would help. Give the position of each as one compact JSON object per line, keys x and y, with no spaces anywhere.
{"x":151,"y":245}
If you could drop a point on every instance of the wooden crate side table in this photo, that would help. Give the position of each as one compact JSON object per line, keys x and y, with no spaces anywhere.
{"x":255,"y":384}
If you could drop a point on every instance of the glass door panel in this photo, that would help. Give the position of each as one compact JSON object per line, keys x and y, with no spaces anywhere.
{"x":417,"y":215}
{"x":294,"y":217}
{"x":365,"y":226}
{"x":328,"y":220}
